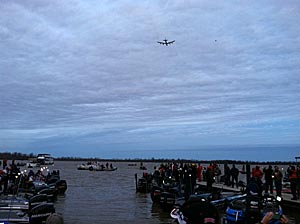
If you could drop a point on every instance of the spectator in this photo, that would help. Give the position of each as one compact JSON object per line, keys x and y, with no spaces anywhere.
{"x":268,"y":179}
{"x":234,"y":173}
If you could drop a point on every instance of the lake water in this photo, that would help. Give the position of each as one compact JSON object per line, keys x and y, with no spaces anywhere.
{"x":96,"y":197}
{"x":105,"y":197}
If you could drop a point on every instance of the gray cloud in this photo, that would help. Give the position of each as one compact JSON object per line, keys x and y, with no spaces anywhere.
{"x":81,"y":73}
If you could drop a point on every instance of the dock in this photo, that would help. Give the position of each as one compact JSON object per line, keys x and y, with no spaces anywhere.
{"x":286,"y":203}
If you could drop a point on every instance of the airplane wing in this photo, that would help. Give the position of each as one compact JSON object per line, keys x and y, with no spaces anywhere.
{"x":171,"y":42}
{"x":160,"y":42}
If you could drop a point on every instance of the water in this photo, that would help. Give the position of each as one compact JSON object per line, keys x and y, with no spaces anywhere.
{"x":97,"y":197}
{"x":106,"y":197}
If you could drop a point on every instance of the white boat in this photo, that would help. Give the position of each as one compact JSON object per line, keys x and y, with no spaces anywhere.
{"x":96,"y":167}
{"x":41,"y":159}
{"x":45,"y":159}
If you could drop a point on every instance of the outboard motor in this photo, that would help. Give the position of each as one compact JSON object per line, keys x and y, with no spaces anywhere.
{"x":169,"y":195}
{"x":40,"y":213}
{"x":51,"y":194}
{"x":144,"y":185}
{"x":37,"y":199}
{"x":61,"y":186}
{"x":253,"y":209}
{"x":155,"y":193}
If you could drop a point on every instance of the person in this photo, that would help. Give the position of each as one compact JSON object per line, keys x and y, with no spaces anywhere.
{"x":4,"y":181}
{"x":204,"y":173}
{"x":278,"y":180}
{"x":199,"y":172}
{"x":218,"y":173}
{"x":55,"y":218}
{"x":156,"y":175}
{"x":234,"y":173}
{"x":227,"y":175}
{"x":268,"y":179}
{"x":256,"y":172}
{"x":4,"y":164}
{"x":269,"y":216}
{"x":293,"y":181}
{"x":253,"y":187}
{"x":209,"y":176}
{"x":188,"y":186}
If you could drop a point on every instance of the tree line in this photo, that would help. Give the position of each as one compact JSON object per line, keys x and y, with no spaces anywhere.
{"x":16,"y":155}
{"x":22,"y":156}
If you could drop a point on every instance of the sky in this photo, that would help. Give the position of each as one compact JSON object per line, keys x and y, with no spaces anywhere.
{"x":87,"y":78}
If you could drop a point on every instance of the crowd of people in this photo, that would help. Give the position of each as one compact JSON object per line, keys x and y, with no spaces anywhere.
{"x":269,"y":178}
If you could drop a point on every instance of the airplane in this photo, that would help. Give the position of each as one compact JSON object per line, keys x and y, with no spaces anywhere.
{"x":166,"y":42}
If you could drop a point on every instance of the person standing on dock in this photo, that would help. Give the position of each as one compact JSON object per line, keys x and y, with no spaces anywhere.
{"x":217,"y":172}
{"x":4,"y":164}
{"x":269,"y":179}
{"x":293,"y":180}
{"x":257,"y":173}
{"x":227,"y":175}
{"x":199,"y":172}
{"x":209,"y":176}
{"x":278,"y":180}
{"x":234,"y":173}
{"x":298,"y":181}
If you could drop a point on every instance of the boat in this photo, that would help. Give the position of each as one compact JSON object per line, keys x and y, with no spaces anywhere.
{"x":30,"y":202}
{"x":142,"y":167}
{"x":41,"y":160}
{"x":253,"y":208}
{"x":104,"y":169}
{"x":17,"y":209}
{"x":195,"y":210}
{"x":51,"y":185}
{"x":37,"y":214}
{"x":96,"y":167}
{"x":144,"y":184}
{"x":45,"y":159}
{"x":167,"y":194}
{"x":9,"y":202}
{"x":32,"y":163}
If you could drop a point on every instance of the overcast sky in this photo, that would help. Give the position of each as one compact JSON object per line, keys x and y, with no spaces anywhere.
{"x":88,"y":78}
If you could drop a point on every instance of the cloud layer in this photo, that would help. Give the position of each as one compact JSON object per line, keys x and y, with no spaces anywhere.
{"x":78,"y":77}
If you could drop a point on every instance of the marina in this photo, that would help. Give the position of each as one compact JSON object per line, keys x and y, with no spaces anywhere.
{"x":115,"y":199}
